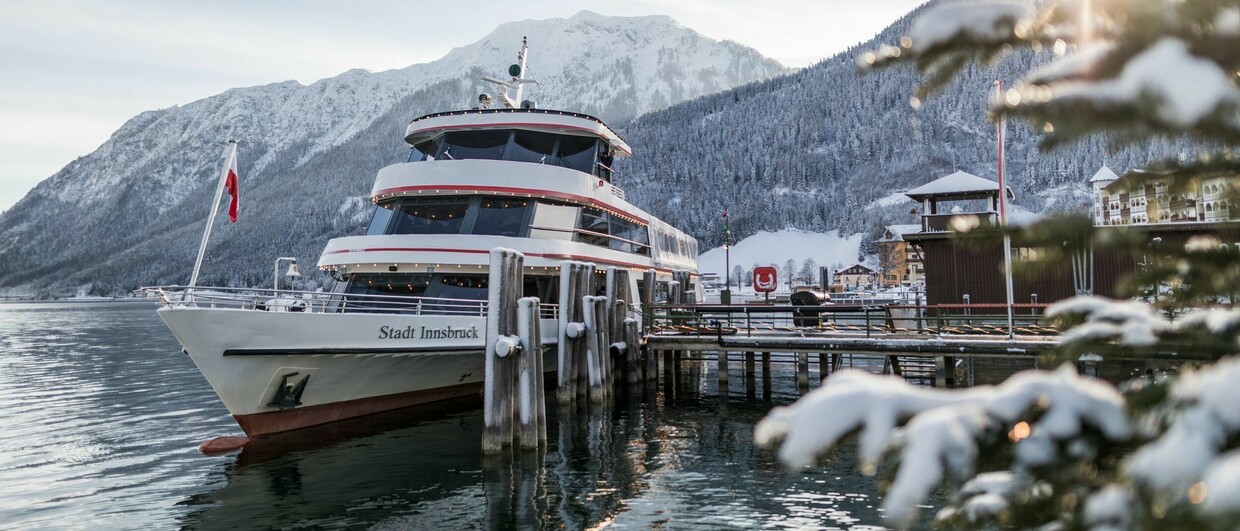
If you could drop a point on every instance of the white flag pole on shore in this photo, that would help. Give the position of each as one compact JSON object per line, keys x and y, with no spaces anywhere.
{"x":1003,"y":217}
{"x":229,"y":162}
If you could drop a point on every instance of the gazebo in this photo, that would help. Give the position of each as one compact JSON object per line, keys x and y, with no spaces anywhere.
{"x":959,"y":187}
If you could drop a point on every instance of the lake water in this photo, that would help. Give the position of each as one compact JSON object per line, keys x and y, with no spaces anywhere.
{"x":102,"y":414}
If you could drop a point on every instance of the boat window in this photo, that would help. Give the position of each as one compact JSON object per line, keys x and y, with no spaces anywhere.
{"x":530,"y":146}
{"x":463,"y":145}
{"x":547,"y":289}
{"x":437,"y":215}
{"x":628,"y":236}
{"x":424,"y":292}
{"x":554,"y":221}
{"x":576,"y":152}
{"x":594,"y":221}
{"x":379,"y":220}
{"x":425,"y":150}
{"x":501,"y":217}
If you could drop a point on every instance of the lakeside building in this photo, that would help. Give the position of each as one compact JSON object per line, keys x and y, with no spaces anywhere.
{"x":959,"y":273}
{"x":856,"y":276}
{"x":899,"y":264}
{"x":1143,"y":198}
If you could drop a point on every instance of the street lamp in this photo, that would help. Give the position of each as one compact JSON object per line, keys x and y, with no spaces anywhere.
{"x":292,"y":272}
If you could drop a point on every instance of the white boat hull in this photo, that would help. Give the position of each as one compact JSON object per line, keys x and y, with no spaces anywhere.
{"x":352,"y":364}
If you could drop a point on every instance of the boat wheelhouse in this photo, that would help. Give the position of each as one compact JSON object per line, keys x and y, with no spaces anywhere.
{"x":533,"y":180}
{"x":404,"y":323}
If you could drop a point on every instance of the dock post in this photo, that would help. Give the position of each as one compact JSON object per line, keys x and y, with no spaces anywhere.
{"x":723,"y":370}
{"x":766,"y":364}
{"x":824,"y":366}
{"x":531,"y":398}
{"x":502,"y":348}
{"x":652,"y":360}
{"x":802,"y":370}
{"x":597,"y":349}
{"x":585,"y":287}
{"x":750,"y":376}
{"x":571,"y":333}
{"x":632,"y":351}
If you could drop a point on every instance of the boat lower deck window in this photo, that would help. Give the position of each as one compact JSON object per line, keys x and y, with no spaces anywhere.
{"x":429,"y":293}
{"x":501,"y":217}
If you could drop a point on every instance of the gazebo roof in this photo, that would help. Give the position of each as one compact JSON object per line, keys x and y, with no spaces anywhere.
{"x":957,"y":185}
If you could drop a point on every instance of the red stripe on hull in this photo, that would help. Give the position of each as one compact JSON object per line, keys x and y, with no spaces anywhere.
{"x":303,"y":417}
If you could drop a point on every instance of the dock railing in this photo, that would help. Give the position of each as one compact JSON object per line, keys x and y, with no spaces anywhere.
{"x":866,"y":320}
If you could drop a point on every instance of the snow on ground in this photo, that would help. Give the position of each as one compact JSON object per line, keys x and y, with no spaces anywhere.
{"x":775,"y":248}
{"x":891,"y":200}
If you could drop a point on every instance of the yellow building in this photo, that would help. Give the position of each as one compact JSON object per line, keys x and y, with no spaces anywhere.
{"x":899,"y":263}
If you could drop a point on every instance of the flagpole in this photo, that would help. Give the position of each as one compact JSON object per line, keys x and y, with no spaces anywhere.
{"x":1003,"y":217}
{"x":215,"y":206}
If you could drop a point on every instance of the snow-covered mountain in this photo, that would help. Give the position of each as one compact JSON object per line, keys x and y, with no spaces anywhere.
{"x":828,"y":148}
{"x":131,"y":212}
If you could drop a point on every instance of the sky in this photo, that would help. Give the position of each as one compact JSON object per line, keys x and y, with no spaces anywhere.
{"x":72,"y":72}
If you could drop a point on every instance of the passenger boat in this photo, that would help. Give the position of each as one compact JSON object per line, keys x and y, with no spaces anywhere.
{"x":405,"y":323}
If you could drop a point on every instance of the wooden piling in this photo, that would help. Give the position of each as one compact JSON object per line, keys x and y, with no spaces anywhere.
{"x":632,"y":351}
{"x":502,"y":346}
{"x":824,"y":366}
{"x":802,"y":370}
{"x":766,"y":364}
{"x":585,"y":288}
{"x":532,"y":407}
{"x":723,"y":369}
{"x":749,"y":364}
{"x":597,"y":358}
{"x":572,"y":330}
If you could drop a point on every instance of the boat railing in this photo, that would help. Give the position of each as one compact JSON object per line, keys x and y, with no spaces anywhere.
{"x":311,"y":301}
{"x":321,"y":302}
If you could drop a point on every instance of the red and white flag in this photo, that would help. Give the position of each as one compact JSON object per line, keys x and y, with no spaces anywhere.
{"x":230,"y":184}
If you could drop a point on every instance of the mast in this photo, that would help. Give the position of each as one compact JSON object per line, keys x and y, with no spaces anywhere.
{"x":517,"y":84}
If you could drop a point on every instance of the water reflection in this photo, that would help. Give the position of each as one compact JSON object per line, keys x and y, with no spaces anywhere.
{"x":645,"y":460}
{"x":103,"y":415}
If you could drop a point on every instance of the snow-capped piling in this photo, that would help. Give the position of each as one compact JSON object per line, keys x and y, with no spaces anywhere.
{"x":531,"y":397}
{"x":685,"y":295}
{"x":503,"y":348}
{"x":575,"y":279}
{"x":632,"y":351}
{"x":597,"y":347}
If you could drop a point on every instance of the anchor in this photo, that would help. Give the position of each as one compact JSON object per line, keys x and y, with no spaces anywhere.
{"x":289,"y":396}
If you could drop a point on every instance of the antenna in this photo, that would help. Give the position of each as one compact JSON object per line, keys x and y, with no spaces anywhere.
{"x":517,"y":83}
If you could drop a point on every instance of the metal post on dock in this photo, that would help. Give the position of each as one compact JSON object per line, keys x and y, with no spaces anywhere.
{"x":502,"y":347}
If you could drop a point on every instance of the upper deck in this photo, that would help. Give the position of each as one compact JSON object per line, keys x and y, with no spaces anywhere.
{"x":427,"y":128}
